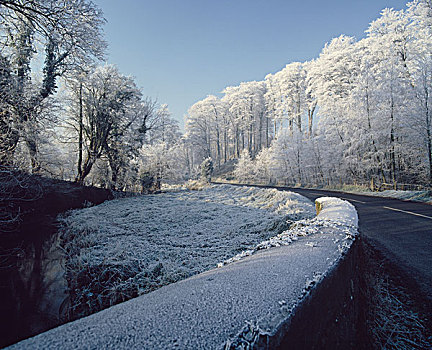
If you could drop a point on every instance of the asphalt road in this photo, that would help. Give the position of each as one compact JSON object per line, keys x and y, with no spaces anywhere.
{"x":401,"y":230}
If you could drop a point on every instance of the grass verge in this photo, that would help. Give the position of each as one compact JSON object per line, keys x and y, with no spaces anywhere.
{"x":395,"y":314}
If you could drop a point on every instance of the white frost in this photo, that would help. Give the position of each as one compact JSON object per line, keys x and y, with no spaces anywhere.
{"x":335,"y":214}
{"x":337,"y":210}
{"x":163,"y":238}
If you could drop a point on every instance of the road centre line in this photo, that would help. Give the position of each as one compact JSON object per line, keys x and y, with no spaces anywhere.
{"x":409,"y":212}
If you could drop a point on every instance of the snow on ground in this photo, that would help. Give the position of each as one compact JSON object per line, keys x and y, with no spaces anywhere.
{"x":418,"y":196}
{"x":338,"y":211}
{"x":126,"y":247}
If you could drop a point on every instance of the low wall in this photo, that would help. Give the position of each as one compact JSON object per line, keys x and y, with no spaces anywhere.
{"x":301,"y":295}
{"x":328,"y":318}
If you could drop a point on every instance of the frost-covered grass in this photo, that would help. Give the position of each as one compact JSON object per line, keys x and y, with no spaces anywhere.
{"x":394,"y":317}
{"x":334,"y":213}
{"x":127,"y":247}
{"x":418,"y":196}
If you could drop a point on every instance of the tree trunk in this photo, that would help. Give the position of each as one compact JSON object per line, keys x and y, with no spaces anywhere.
{"x":115,"y":165}
{"x":218,"y":147}
{"x":208,"y":141}
{"x":225,"y":146}
{"x":243,"y":140}
{"x":80,"y":130}
{"x":267,"y":132}
{"x":33,"y":151}
{"x":87,"y":166}
{"x":250,"y":141}
{"x":9,"y":138}
{"x":429,"y":136}
{"x":260,"y":131}
{"x":299,"y":121}
{"x":311,"y":112}
{"x":392,"y":144}
{"x":237,"y":143}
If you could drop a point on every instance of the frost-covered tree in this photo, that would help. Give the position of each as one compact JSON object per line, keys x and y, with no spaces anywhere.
{"x":68,"y":34}
{"x":222,"y":128}
{"x":389,"y":37}
{"x":8,"y":129}
{"x":206,"y":169}
{"x":246,"y":108}
{"x":198,"y":128}
{"x":359,"y":112}
{"x":153,"y":165}
{"x":207,"y":129}
{"x":109,"y":100}
{"x":245,"y":169}
{"x":419,"y":67}
{"x":263,"y":166}
{"x":163,"y":155}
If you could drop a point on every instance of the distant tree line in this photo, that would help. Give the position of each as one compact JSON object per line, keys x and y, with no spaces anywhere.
{"x":360,"y":112}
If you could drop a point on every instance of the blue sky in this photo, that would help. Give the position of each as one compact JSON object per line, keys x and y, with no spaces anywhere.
{"x":180,"y":51}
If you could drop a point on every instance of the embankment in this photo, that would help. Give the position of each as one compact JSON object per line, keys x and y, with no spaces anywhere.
{"x":32,"y":288}
{"x":301,"y":295}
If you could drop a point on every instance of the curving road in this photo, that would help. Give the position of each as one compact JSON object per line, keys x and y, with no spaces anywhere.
{"x":401,"y":230}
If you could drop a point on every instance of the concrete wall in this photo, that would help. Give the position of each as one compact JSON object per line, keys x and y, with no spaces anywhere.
{"x":300,"y":296}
